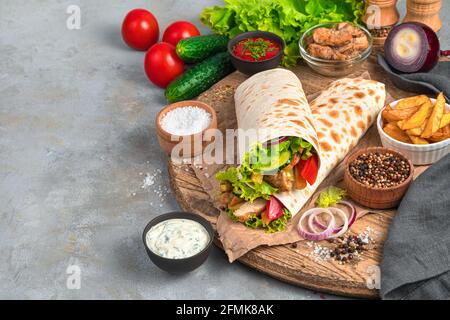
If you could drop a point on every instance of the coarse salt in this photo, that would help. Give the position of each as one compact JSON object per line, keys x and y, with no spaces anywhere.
{"x":185,"y":121}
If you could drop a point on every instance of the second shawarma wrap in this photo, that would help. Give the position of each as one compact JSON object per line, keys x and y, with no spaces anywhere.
{"x":278,"y":148}
{"x":281,"y":169}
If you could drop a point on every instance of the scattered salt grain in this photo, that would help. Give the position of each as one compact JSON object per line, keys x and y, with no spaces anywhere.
{"x":149,"y":180}
{"x":365,"y":236}
{"x":186,"y":120}
{"x":320,"y":253}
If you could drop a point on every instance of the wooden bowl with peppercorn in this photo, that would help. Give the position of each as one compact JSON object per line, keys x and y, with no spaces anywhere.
{"x":378,"y":177}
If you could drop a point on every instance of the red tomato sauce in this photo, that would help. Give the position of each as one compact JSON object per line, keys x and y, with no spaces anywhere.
{"x":256,"y":49}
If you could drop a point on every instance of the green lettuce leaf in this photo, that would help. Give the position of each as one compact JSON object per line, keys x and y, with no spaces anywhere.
{"x":255,"y":222}
{"x":243,"y":186}
{"x":286,"y":18}
{"x":273,"y":226}
{"x":330,"y":197}
{"x":260,"y":156}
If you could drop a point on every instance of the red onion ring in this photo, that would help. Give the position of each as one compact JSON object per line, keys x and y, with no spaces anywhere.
{"x":275,"y":141}
{"x":316,"y":236}
{"x":351,"y":220}
{"x":345,"y":227}
{"x":335,"y":234}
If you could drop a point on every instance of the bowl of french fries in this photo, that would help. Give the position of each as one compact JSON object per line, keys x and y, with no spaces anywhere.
{"x":418,"y":127}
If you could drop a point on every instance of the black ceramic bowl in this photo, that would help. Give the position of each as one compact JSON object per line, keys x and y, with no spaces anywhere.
{"x":179,"y":265}
{"x":252,"y":67}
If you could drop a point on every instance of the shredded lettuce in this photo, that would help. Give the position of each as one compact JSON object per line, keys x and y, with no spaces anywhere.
{"x":255,"y":222}
{"x":286,"y":18}
{"x":244,"y":186}
{"x":330,"y":197}
{"x":231,"y":215}
{"x":258,"y":157}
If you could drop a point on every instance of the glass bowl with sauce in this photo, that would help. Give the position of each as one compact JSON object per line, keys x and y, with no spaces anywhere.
{"x":330,"y":67}
{"x":178,"y":242}
{"x":255,"y":51}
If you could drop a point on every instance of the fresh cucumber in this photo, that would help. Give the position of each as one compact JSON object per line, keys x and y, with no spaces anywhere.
{"x":195,"y":49}
{"x":277,"y":164}
{"x":199,"y":78}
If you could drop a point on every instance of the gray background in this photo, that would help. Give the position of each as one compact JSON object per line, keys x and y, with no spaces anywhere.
{"x":76,"y":140}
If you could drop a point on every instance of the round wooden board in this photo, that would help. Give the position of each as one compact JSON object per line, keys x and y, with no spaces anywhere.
{"x":298,"y":265}
{"x":284,"y":262}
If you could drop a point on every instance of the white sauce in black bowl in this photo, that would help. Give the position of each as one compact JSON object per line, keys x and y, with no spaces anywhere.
{"x":177,"y":238}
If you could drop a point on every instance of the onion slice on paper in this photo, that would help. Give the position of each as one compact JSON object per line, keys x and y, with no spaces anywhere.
{"x":351,"y":220}
{"x":314,"y":235}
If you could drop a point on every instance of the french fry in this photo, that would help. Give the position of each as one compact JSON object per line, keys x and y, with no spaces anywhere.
{"x":418,"y":140}
{"x":418,"y":118}
{"x":441,"y":135}
{"x":387,"y":116}
{"x":396,"y":133}
{"x":412,"y":102}
{"x":416,"y":131}
{"x":401,"y":114}
{"x":445,"y":120}
{"x":434,"y":121}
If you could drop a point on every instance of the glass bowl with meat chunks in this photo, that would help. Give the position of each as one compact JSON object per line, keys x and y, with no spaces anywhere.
{"x":335,"y":49}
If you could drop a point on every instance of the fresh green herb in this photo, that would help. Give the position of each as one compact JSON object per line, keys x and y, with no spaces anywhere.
{"x":286,"y":18}
{"x":330,"y":197}
{"x":258,"y":48}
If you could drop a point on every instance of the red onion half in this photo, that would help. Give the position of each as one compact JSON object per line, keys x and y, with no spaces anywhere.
{"x":412,"y":47}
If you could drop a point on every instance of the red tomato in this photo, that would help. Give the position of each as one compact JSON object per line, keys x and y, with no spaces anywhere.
{"x":179,"y":30}
{"x":274,"y":210}
{"x":310,"y":168}
{"x":162,"y":64}
{"x":140,"y":29}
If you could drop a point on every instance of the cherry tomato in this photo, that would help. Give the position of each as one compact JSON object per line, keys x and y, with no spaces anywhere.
{"x":162,"y":64}
{"x":179,"y":30}
{"x":140,"y":29}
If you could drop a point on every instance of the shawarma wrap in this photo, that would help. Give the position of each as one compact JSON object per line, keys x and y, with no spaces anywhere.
{"x":316,"y":137}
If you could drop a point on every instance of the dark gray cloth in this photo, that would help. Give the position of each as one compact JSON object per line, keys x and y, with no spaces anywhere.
{"x":432,"y":82}
{"x":439,"y":77}
{"x":416,"y":258}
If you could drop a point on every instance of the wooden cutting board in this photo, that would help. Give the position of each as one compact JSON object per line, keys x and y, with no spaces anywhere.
{"x":295,"y":265}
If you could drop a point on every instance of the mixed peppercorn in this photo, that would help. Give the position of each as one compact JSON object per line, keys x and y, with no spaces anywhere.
{"x":381,"y":32}
{"x":348,"y":248}
{"x":379,"y":170}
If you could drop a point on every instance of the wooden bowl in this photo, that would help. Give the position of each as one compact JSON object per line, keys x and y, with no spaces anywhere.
{"x":190,"y":145}
{"x":376,"y":198}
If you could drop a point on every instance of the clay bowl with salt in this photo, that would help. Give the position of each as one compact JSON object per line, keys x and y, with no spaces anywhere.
{"x":182,"y":125}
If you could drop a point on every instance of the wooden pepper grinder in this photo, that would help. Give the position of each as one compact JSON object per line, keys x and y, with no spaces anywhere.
{"x":425,"y":11}
{"x":380,"y":17}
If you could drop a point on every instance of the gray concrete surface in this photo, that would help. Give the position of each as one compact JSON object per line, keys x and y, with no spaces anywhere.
{"x":76,"y":140}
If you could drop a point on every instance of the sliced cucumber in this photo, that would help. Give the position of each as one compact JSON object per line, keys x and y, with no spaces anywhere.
{"x":277,"y":164}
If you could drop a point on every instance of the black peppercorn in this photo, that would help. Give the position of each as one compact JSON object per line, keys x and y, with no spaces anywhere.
{"x":379,"y":170}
